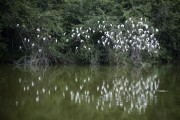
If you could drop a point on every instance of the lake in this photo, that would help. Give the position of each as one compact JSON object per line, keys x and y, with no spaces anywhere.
{"x":90,"y":93}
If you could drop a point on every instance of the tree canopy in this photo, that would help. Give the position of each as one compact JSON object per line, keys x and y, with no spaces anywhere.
{"x":58,"y":18}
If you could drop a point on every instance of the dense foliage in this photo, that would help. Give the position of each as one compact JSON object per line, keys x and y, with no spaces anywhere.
{"x":89,"y":31}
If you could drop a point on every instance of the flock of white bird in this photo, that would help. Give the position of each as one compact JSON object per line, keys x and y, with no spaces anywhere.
{"x":37,"y":42}
{"x":121,"y":37}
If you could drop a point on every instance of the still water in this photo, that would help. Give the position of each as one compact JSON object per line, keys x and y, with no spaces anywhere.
{"x":90,"y":93}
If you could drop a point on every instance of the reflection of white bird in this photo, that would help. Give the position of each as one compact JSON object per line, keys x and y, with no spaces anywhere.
{"x":97,"y":88}
{"x":19,"y":80}
{"x":43,"y":90}
{"x":63,"y":94}
{"x":81,"y":86}
{"x":55,"y":88}
{"x":32,"y":84}
{"x":72,"y":95}
{"x":88,"y":79}
{"x":16,"y":103}
{"x":92,"y":98}
{"x":37,"y":99}
{"x":109,"y":105}
{"x":76,"y":79}
{"x":96,"y":107}
{"x":84,"y":80}
{"x":66,"y":88}
{"x":27,"y":87}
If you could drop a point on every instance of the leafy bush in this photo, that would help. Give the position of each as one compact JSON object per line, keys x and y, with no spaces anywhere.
{"x":39,"y":47}
{"x":3,"y":48}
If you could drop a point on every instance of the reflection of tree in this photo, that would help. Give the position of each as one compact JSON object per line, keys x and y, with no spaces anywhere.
{"x":168,"y":103}
{"x":104,"y":87}
{"x":70,"y":90}
{"x":128,"y":94}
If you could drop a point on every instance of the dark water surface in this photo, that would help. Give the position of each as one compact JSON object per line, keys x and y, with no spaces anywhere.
{"x":90,"y":93}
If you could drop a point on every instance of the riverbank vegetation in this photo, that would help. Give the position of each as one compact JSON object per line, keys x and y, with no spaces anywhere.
{"x":44,"y":32}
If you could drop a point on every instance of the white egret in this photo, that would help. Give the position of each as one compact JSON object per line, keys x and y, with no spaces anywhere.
{"x":40,"y":50}
{"x":20,"y":47}
{"x":38,"y":29}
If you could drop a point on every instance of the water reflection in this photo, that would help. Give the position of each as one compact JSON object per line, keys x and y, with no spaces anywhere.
{"x":103,"y":88}
{"x":79,"y":92}
{"x":120,"y":91}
